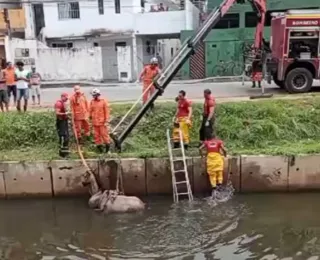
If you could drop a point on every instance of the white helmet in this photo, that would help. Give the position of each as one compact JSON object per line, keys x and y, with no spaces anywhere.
{"x":154,"y":60}
{"x":95,"y":92}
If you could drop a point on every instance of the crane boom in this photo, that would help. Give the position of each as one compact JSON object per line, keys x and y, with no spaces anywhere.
{"x":188,"y":49}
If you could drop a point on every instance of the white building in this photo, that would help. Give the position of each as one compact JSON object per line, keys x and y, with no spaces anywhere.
{"x":110,"y":39}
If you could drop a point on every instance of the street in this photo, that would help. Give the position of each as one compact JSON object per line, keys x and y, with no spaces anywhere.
{"x":131,"y":92}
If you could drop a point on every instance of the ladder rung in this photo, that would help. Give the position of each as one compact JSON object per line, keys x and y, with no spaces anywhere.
{"x":181,"y":182}
{"x":179,"y":171}
{"x":184,"y":193}
{"x":178,"y":159}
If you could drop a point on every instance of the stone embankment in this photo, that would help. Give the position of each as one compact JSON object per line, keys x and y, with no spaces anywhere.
{"x":152,"y":176}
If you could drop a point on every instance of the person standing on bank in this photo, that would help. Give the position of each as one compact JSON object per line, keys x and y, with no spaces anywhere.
{"x":183,"y":118}
{"x":62,"y":124}
{"x":22,"y":78}
{"x":208,"y":116}
{"x":100,"y":115}
{"x":4,"y":100}
{"x":9,"y":74}
{"x":35,"y":82}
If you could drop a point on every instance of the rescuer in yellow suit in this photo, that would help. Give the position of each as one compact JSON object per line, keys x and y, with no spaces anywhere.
{"x":215,"y":161}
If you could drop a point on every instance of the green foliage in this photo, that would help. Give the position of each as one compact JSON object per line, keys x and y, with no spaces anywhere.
{"x":270,"y":127}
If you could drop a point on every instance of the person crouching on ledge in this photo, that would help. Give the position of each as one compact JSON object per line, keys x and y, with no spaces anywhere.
{"x":215,"y":151}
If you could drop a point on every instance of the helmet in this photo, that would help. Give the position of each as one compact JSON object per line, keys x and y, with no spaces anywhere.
{"x":76,"y":88}
{"x":95,"y":92}
{"x":154,"y":60}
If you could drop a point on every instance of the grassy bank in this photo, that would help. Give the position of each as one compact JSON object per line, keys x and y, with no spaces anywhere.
{"x":268,"y":127}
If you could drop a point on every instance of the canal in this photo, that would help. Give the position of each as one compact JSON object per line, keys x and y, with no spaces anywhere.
{"x":269,"y":226}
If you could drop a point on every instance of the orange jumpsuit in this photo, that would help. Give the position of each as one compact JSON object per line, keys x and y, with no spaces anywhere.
{"x":100,"y":112}
{"x":80,"y":110}
{"x":148,"y":74}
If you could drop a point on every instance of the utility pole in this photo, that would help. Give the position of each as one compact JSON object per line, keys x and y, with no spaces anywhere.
{"x":7,"y":21}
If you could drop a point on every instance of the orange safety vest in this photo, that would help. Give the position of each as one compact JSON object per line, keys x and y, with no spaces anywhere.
{"x":149,"y":73}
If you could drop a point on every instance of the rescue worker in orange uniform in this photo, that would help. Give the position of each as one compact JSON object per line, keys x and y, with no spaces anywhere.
{"x":62,"y":124}
{"x":215,"y":162}
{"x":80,"y":109}
{"x":147,"y":76}
{"x":100,"y":114}
{"x":208,"y":116}
{"x":183,"y":118}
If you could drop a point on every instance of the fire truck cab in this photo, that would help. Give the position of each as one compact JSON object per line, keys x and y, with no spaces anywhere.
{"x":294,"y":60}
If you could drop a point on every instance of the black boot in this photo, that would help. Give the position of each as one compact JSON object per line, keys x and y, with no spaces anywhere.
{"x":100,"y":148}
{"x":186,"y":146}
{"x":107,"y":148}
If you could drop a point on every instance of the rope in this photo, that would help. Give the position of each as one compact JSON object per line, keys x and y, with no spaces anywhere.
{"x":119,"y":178}
{"x":88,"y":176}
{"x":133,"y":106}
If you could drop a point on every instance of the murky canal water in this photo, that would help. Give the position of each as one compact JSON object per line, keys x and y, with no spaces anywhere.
{"x":278,"y":226}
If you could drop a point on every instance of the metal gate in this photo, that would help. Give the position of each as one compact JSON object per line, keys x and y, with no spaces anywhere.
{"x":197,"y":63}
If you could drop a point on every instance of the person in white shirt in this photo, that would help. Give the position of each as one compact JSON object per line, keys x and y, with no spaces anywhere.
{"x":22,"y":79}
{"x":35,"y":82}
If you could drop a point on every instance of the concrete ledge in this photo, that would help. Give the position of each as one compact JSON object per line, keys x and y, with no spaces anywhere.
{"x":26,"y":179}
{"x":304,"y":172}
{"x":66,"y":176}
{"x":264,"y":173}
{"x":153,"y":175}
{"x":134,"y":176}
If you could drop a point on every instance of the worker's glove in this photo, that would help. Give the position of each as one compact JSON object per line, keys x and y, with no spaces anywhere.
{"x":188,"y":122}
{"x":207,"y":123}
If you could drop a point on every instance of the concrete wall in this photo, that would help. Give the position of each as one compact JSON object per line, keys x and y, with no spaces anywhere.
{"x":130,"y":19}
{"x":152,"y":176}
{"x":68,"y":64}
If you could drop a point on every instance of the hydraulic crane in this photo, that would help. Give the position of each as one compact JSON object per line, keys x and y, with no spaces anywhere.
{"x":188,"y":49}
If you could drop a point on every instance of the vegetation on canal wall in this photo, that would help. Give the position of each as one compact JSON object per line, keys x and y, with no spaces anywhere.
{"x":264,"y":127}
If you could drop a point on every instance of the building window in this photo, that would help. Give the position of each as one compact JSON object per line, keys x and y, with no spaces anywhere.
{"x":101,"y":6}
{"x":68,"y":10}
{"x":117,"y":6}
{"x":229,"y":21}
{"x":251,"y":19}
{"x":62,"y":45}
{"x":120,"y":44}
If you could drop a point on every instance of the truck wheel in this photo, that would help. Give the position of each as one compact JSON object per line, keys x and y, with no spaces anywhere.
{"x":298,"y":80}
{"x":279,"y":83}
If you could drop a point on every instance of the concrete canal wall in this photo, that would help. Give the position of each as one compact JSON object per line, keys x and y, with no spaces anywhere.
{"x":152,"y":176}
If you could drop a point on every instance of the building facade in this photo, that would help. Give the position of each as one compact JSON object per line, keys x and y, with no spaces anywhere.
{"x":112,"y":40}
{"x":222,"y":50}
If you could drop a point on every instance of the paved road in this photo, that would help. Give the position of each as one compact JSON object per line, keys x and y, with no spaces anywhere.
{"x":132,"y":92}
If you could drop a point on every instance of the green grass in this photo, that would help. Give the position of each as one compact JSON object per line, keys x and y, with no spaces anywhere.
{"x":275,"y":127}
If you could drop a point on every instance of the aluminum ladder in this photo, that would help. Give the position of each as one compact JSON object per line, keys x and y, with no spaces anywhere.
{"x":175,"y":160}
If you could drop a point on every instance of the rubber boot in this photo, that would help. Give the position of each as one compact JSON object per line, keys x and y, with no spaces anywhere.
{"x":107,"y":148}
{"x":80,"y":141}
{"x":259,"y":84}
{"x":186,"y":146}
{"x":176,"y":145}
{"x":253,"y":84}
{"x":100,"y":148}
{"x":25,"y":108}
{"x":213,"y":194}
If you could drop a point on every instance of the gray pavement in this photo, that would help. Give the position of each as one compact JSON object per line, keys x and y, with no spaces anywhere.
{"x":131,"y":92}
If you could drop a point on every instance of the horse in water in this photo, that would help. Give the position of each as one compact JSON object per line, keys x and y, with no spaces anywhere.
{"x":110,"y":201}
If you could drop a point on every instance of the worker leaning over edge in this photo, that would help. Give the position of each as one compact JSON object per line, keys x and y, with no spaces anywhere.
{"x":80,"y":110}
{"x":147,"y":75}
{"x":62,"y":124}
{"x":215,"y":161}
{"x":100,"y":114}
{"x":208,"y":116}
{"x":183,"y":118}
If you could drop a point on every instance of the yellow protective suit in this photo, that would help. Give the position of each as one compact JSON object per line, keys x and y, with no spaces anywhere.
{"x":185,"y":125}
{"x":215,"y":165}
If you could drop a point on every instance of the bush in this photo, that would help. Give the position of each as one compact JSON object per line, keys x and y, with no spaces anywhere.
{"x":274,"y":127}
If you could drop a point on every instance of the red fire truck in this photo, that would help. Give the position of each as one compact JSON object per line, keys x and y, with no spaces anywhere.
{"x":294,"y":61}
